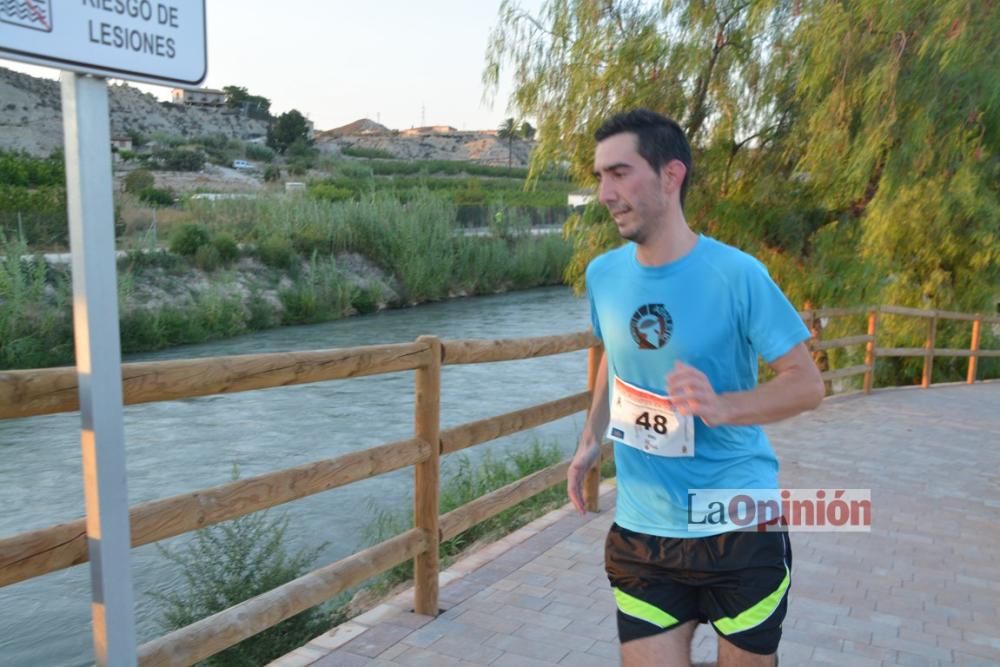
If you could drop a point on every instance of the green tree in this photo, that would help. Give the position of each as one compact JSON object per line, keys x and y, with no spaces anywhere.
{"x":139,"y":180}
{"x":853,"y":146}
{"x":527,"y":131}
{"x":255,"y":106}
{"x":286,"y":129}
{"x":507,"y":132}
{"x":720,"y":68}
{"x":900,"y":132}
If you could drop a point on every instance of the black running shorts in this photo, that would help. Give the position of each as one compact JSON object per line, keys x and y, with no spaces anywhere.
{"x":738,"y":581}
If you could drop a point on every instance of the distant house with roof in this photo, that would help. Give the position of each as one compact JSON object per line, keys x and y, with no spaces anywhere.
{"x":121,"y":142}
{"x":198,"y":97}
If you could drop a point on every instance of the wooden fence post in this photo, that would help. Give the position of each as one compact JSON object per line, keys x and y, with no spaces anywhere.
{"x":870,"y":350}
{"x":974,"y":348}
{"x":592,"y":483}
{"x":427,"y":426}
{"x":929,"y":354}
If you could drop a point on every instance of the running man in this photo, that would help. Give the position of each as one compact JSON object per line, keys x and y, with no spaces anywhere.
{"x":683,"y":318}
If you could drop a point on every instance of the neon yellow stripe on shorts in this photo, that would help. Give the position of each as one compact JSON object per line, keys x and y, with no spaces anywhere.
{"x":633,"y":606}
{"x":756,"y":614}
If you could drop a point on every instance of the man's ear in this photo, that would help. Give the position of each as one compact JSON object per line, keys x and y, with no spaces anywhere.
{"x":672,"y":174}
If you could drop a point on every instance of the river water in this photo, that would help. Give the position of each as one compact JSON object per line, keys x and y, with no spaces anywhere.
{"x":180,"y":446}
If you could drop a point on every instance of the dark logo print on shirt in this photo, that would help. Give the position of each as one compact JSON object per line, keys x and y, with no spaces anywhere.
{"x":651,"y":326}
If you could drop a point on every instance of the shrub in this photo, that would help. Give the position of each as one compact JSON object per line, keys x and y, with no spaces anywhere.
{"x":259,"y":153}
{"x":156,"y":196}
{"x":261,"y":313}
{"x":272,"y":174}
{"x":226,"y":564}
{"x":181,"y":159}
{"x":276,"y":252}
{"x":207,"y":258}
{"x":366,"y":299}
{"x":138,"y":139}
{"x":357,"y":151}
{"x":188,"y":238}
{"x":25,"y":170}
{"x":227,"y":248}
{"x":330,"y":192}
{"x":139,"y":180}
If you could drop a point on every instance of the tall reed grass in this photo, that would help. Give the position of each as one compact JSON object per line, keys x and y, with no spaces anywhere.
{"x":418,"y":243}
{"x":35,"y":317}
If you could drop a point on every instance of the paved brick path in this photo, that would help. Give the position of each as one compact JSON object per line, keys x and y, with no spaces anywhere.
{"x":922,"y":588}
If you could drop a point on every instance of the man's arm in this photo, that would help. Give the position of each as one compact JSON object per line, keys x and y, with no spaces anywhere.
{"x":797,"y":387}
{"x":589,"y":449}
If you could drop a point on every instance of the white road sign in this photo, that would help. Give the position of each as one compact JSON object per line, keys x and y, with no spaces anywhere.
{"x":159,"y":41}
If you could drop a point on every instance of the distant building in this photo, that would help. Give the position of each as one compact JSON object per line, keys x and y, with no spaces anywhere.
{"x":198,"y":97}
{"x":121,"y":142}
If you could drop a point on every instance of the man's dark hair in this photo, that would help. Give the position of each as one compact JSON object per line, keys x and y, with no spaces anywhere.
{"x":660,"y":139}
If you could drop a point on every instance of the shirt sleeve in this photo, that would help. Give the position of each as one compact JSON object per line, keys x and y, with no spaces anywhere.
{"x":772,"y":324}
{"x":595,"y":322}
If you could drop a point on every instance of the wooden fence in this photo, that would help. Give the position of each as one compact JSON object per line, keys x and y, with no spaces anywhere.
{"x":36,"y":392}
{"x":873,"y":352}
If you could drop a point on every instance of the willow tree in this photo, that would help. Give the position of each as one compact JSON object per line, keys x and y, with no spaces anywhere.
{"x":901,"y":132}
{"x":852,"y":145}
{"x":900,"y":135}
{"x":722,"y":69}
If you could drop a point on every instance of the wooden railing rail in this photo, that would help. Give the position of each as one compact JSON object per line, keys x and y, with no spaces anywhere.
{"x":484,"y":430}
{"x":873,"y":352}
{"x":34,"y":553}
{"x":218,"y":632}
{"x":511,"y":349}
{"x":49,"y":390}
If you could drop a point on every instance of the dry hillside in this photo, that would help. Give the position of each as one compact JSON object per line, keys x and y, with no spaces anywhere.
{"x":31,"y":115}
{"x":31,"y":120}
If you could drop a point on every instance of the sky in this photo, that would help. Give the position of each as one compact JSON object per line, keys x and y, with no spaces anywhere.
{"x":399,"y":62}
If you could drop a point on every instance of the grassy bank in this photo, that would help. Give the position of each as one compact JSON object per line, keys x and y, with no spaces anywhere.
{"x":252,"y":264}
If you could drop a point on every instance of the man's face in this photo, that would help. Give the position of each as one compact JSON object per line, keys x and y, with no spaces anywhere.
{"x":629,"y":187}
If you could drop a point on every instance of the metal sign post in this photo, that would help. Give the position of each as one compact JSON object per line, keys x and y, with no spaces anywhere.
{"x":159,"y":41}
{"x":89,"y":199}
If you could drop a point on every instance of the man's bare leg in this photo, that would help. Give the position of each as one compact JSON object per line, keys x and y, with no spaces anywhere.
{"x":731,"y":656}
{"x":667,"y":649}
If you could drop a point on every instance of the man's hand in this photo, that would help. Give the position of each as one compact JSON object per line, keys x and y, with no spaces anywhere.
{"x":797,"y":386}
{"x":693,"y":394}
{"x":584,"y":459}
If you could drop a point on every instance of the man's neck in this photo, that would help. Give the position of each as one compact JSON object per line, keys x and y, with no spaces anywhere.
{"x":670,"y":241}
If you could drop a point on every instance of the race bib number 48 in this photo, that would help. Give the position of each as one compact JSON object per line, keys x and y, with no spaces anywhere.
{"x":648,"y":421}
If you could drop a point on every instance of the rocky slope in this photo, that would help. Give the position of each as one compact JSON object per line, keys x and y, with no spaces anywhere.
{"x":31,"y":121}
{"x":31,"y":115}
{"x":481,"y":147}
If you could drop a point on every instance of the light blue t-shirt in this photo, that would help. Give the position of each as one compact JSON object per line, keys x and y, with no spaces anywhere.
{"x":715,"y":309}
